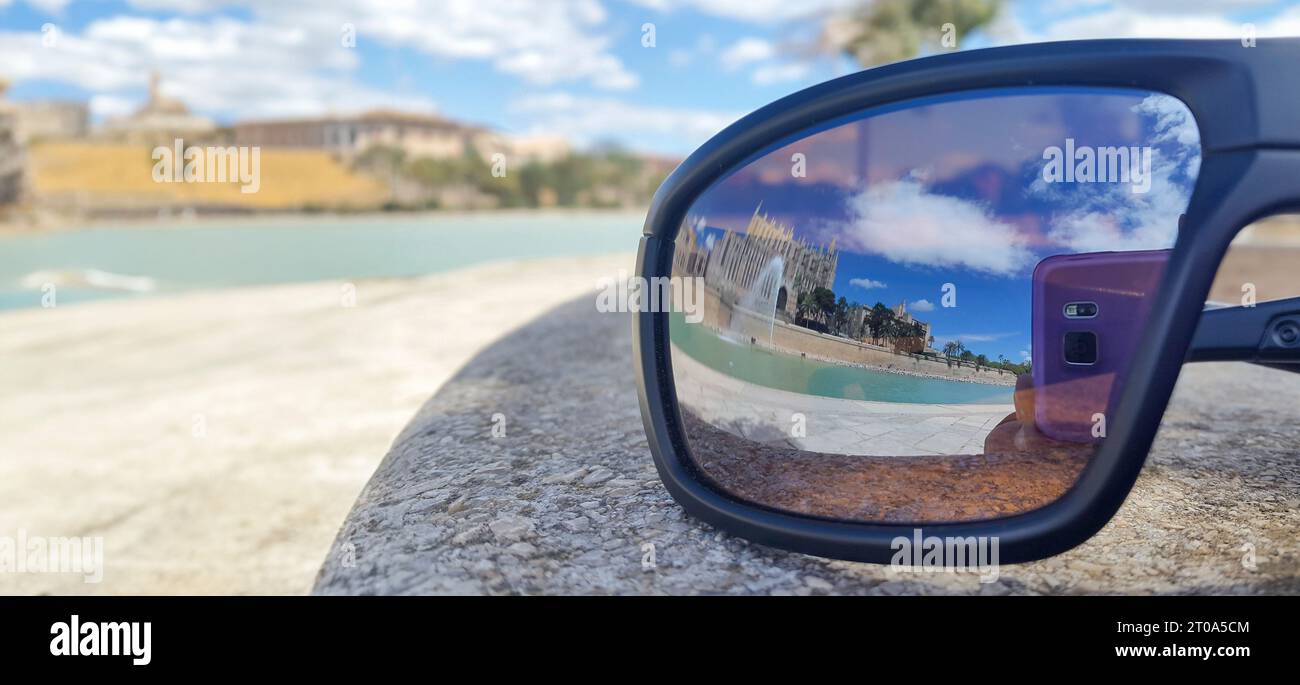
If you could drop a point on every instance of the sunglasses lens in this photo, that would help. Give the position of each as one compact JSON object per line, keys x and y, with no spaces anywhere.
{"x":922,"y":313}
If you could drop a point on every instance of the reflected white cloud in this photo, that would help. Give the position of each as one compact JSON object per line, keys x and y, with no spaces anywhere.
{"x":867,"y":283}
{"x":1097,"y":217}
{"x":905,"y":223}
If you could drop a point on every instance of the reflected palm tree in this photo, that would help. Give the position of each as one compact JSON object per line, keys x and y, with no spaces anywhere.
{"x":879,"y":321}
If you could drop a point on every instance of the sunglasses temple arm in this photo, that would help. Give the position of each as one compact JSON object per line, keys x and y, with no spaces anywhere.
{"x":1267,"y":334}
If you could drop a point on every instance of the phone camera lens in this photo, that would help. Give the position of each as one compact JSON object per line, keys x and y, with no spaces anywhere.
{"x":1081,"y":348}
{"x":1287,"y":333}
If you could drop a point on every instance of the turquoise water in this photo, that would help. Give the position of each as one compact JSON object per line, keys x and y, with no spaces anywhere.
{"x":810,"y":377}
{"x":90,"y":264}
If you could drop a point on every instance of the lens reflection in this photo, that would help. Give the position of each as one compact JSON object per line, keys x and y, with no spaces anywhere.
{"x":922,"y":313}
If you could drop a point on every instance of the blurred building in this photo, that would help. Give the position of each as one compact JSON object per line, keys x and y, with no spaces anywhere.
{"x":160,"y":119}
{"x":52,"y":120}
{"x":543,"y":149}
{"x":417,"y":135}
{"x":901,"y":313}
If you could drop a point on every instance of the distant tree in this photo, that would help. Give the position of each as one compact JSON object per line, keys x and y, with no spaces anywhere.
{"x":605,"y":177}
{"x":878,"y":320}
{"x":841,"y":315}
{"x":884,"y":31}
{"x":824,"y":298}
{"x":533,"y":182}
{"x":915,"y":338}
{"x":383,"y":161}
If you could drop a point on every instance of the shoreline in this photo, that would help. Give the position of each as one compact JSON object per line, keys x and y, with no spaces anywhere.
{"x":772,"y":349}
{"x":179,"y":220}
{"x":778,"y":335}
{"x":901,"y":372}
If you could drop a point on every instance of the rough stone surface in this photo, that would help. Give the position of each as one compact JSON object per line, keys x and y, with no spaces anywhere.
{"x":568,"y":501}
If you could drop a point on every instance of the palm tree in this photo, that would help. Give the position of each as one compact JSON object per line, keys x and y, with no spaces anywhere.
{"x":824,"y":298}
{"x":841,"y":314}
{"x":878,"y":321}
{"x":916,"y":337}
{"x":884,"y":31}
{"x":898,"y":332}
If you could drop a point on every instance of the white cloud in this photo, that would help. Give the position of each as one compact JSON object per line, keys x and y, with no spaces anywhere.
{"x":770,"y":74}
{"x":921,"y":306}
{"x":1169,"y":19}
{"x":867,"y":283}
{"x":746,"y":51}
{"x":756,"y":11}
{"x":1097,"y":217}
{"x":103,"y":106}
{"x":295,"y":45}
{"x":756,"y":51}
{"x":903,"y":223}
{"x":53,"y":7}
{"x":1160,"y":6}
{"x":590,"y":119}
{"x":1124,"y":23}
{"x":544,"y":43}
{"x":220,"y":67}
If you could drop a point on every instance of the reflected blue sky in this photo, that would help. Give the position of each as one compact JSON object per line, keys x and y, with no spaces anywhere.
{"x":953,"y":190}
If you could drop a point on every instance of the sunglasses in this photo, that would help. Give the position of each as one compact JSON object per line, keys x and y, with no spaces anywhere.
{"x":951,"y":297}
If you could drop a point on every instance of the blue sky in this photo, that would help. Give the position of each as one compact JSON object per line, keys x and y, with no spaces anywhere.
{"x":576,"y":68}
{"x":930,"y":204}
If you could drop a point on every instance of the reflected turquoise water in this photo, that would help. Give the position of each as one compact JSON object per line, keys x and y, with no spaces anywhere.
{"x":810,"y":377}
{"x":257,"y":252}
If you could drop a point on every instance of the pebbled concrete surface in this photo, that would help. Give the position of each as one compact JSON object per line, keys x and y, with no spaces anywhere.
{"x":567,"y":500}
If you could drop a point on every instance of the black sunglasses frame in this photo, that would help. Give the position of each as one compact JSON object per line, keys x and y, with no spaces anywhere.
{"x":1246,"y":102}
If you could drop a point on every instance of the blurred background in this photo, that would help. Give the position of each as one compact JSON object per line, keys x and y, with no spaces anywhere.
{"x":398,"y":107}
{"x":204,"y":371}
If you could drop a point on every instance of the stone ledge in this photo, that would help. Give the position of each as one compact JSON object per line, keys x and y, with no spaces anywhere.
{"x":568,"y":499}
